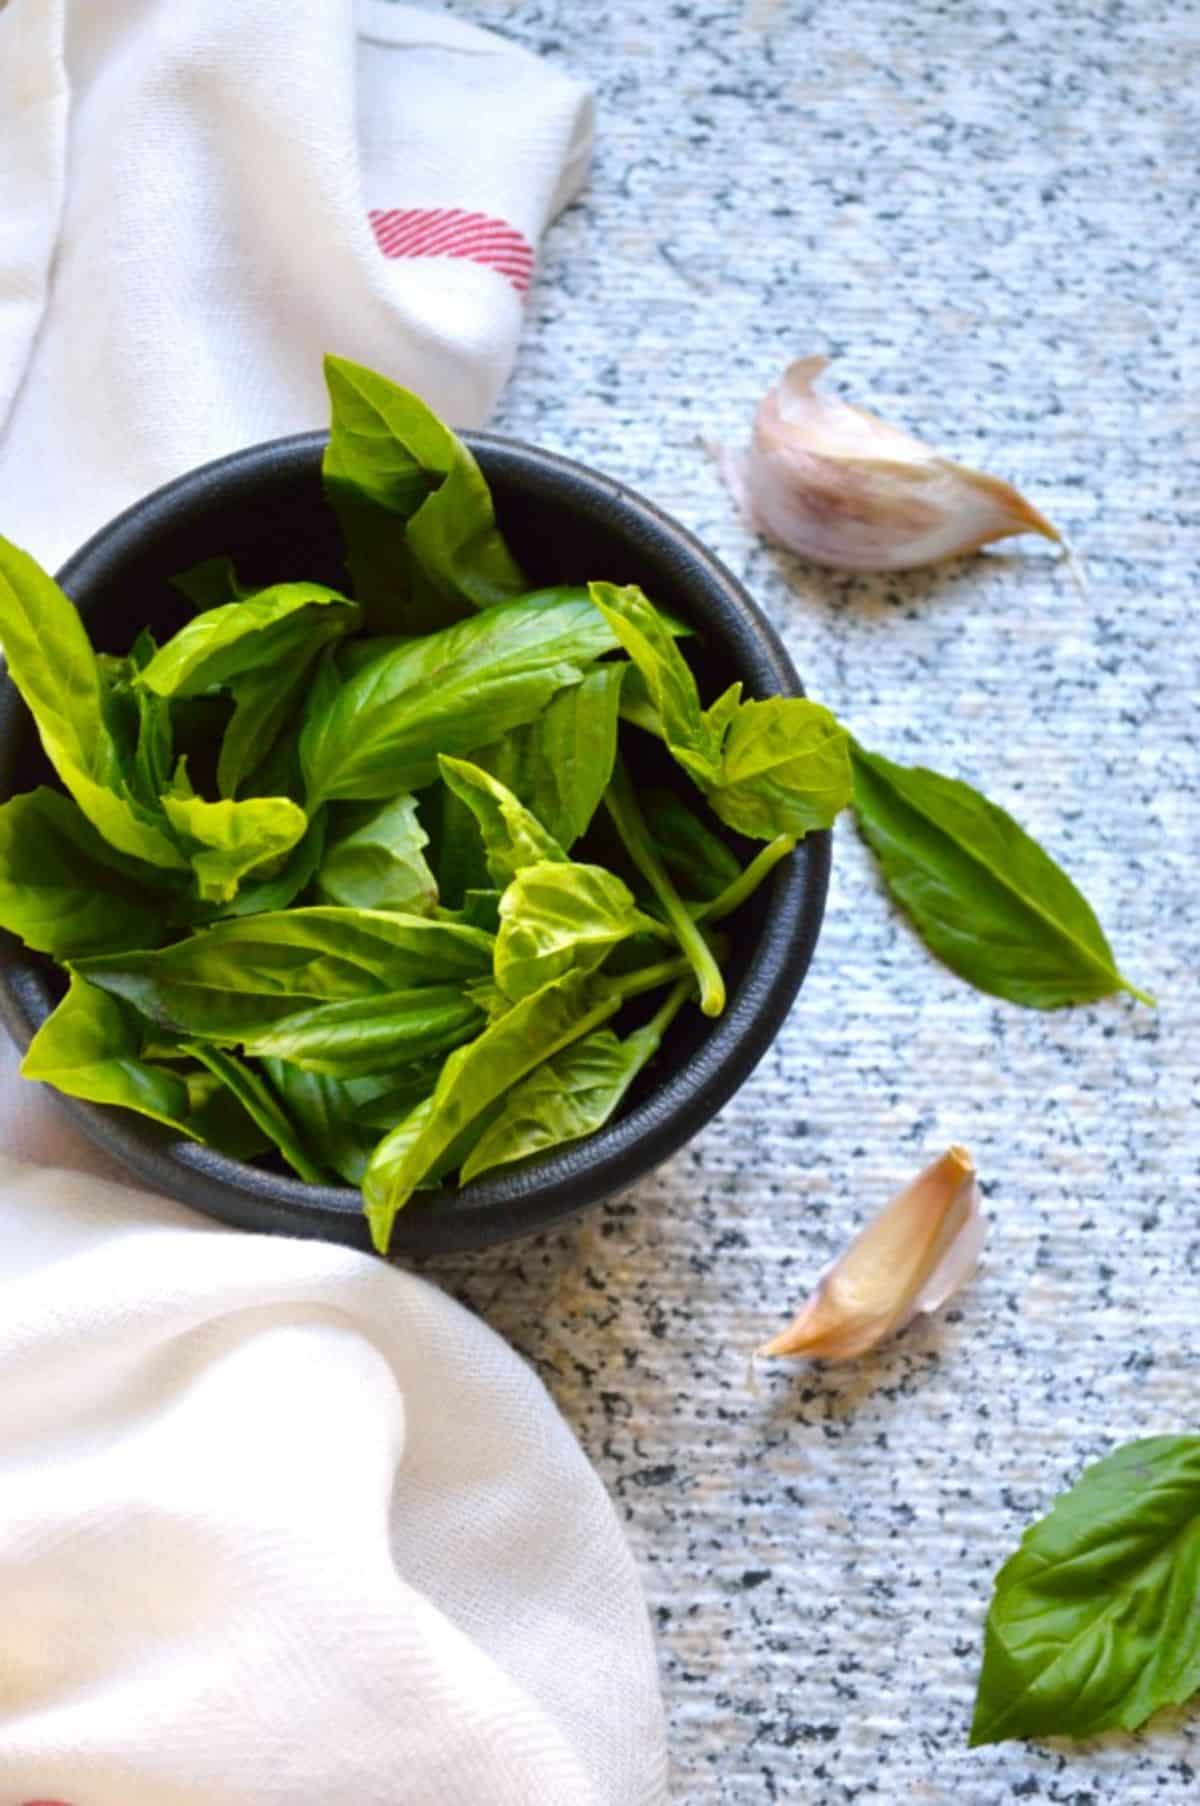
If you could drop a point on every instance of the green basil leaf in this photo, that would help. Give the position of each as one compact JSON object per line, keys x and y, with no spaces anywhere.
{"x":260,"y":1103}
{"x":982,"y":895}
{"x":456,"y":850}
{"x":512,"y":837}
{"x":1094,"y":1623}
{"x":330,"y":1114}
{"x":695,"y":856}
{"x":242,"y":975}
{"x":559,"y":764}
{"x":421,"y":536}
{"x":379,"y":733}
{"x":394,"y":1099}
{"x":571,"y":1095}
{"x":785,"y":769}
{"x":210,"y":584}
{"x":63,"y":889}
{"x":480,"y":909}
{"x":140,"y":722}
{"x":51,"y":661}
{"x":554,"y":918}
{"x":228,"y":840}
{"x":694,"y":734}
{"x":474,"y":1077}
{"x":264,"y":702}
{"x":264,"y":895}
{"x":265,"y":629}
{"x":375,"y":859}
{"x":90,"y":1047}
{"x":366,"y":1035}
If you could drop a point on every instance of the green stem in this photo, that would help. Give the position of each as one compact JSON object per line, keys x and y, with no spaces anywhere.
{"x":747,"y":882}
{"x":649,"y":978}
{"x":622,"y":805}
{"x":667,"y":1011}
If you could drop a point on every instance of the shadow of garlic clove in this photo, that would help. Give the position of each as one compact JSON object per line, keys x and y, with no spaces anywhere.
{"x":908,"y":1261}
{"x":843,"y":488}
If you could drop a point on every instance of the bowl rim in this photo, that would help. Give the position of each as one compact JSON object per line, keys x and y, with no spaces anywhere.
{"x":516,"y":1203}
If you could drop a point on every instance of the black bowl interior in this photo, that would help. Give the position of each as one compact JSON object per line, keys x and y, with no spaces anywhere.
{"x":264,"y":507}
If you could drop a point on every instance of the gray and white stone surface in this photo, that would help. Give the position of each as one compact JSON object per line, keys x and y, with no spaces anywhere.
{"x":988,"y":214}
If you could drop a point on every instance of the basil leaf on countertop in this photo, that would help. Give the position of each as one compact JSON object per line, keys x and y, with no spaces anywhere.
{"x":50,"y":659}
{"x":560,"y":917}
{"x":243,"y":974}
{"x":65,"y":890}
{"x":379,"y":733}
{"x":1094,"y":1622}
{"x":982,"y":895}
{"x":696,"y":857}
{"x":785,"y":769}
{"x":226,"y":841}
{"x":416,"y":515}
{"x":267,"y":628}
{"x":513,"y":837}
{"x":571,"y":1095}
{"x":366,"y":1035}
{"x":374,"y":859}
{"x":261,"y":1104}
{"x":560,"y":763}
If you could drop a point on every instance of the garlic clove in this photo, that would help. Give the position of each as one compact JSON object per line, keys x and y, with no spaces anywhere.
{"x":838,"y":485}
{"x":908,"y":1261}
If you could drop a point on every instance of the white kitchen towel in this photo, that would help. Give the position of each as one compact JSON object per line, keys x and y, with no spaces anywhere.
{"x":280,"y":1525}
{"x":198,"y":198}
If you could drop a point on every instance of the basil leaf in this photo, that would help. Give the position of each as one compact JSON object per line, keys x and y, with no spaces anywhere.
{"x":571,"y":1095}
{"x":389,"y":1103}
{"x":227,"y":840}
{"x":1094,"y":1624}
{"x":265,"y":629}
{"x":694,"y":855}
{"x":456,"y":850}
{"x":785,"y":769}
{"x":63,"y":889}
{"x":210,"y":583}
{"x":512,"y":837}
{"x":366,"y":1035}
{"x":693,"y":734}
{"x":982,"y":895}
{"x":325,"y":1112}
{"x":421,"y":537}
{"x":266,"y":895}
{"x":766,"y":768}
{"x":480,"y":909}
{"x":380,"y":732}
{"x":472,"y":1078}
{"x":560,"y":763}
{"x":264,"y":701}
{"x":51,"y":661}
{"x":375,"y":860}
{"x":260,"y":1103}
{"x":140,"y":722}
{"x":91,"y":1047}
{"x":240,"y":976}
{"x":557,"y":917}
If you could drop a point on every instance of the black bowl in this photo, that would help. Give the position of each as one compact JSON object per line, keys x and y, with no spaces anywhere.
{"x":264,"y":506}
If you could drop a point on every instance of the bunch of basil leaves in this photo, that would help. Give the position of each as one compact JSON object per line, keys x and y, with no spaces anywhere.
{"x":364,"y":879}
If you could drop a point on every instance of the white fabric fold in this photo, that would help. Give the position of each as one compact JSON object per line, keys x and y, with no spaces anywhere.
{"x":279,"y":1524}
{"x":234,"y":189}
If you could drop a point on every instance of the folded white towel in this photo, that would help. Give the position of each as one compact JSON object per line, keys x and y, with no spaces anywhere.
{"x":280,"y":1525}
{"x":198,"y":200}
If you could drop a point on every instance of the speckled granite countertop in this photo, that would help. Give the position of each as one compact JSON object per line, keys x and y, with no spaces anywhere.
{"x":988,"y":213}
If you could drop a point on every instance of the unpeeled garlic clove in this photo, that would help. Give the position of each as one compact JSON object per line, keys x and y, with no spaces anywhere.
{"x":836,"y":485}
{"x":908,"y":1260}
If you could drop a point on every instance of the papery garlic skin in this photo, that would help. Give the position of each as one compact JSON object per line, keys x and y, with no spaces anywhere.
{"x":843,"y":488}
{"x":908,"y":1261}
